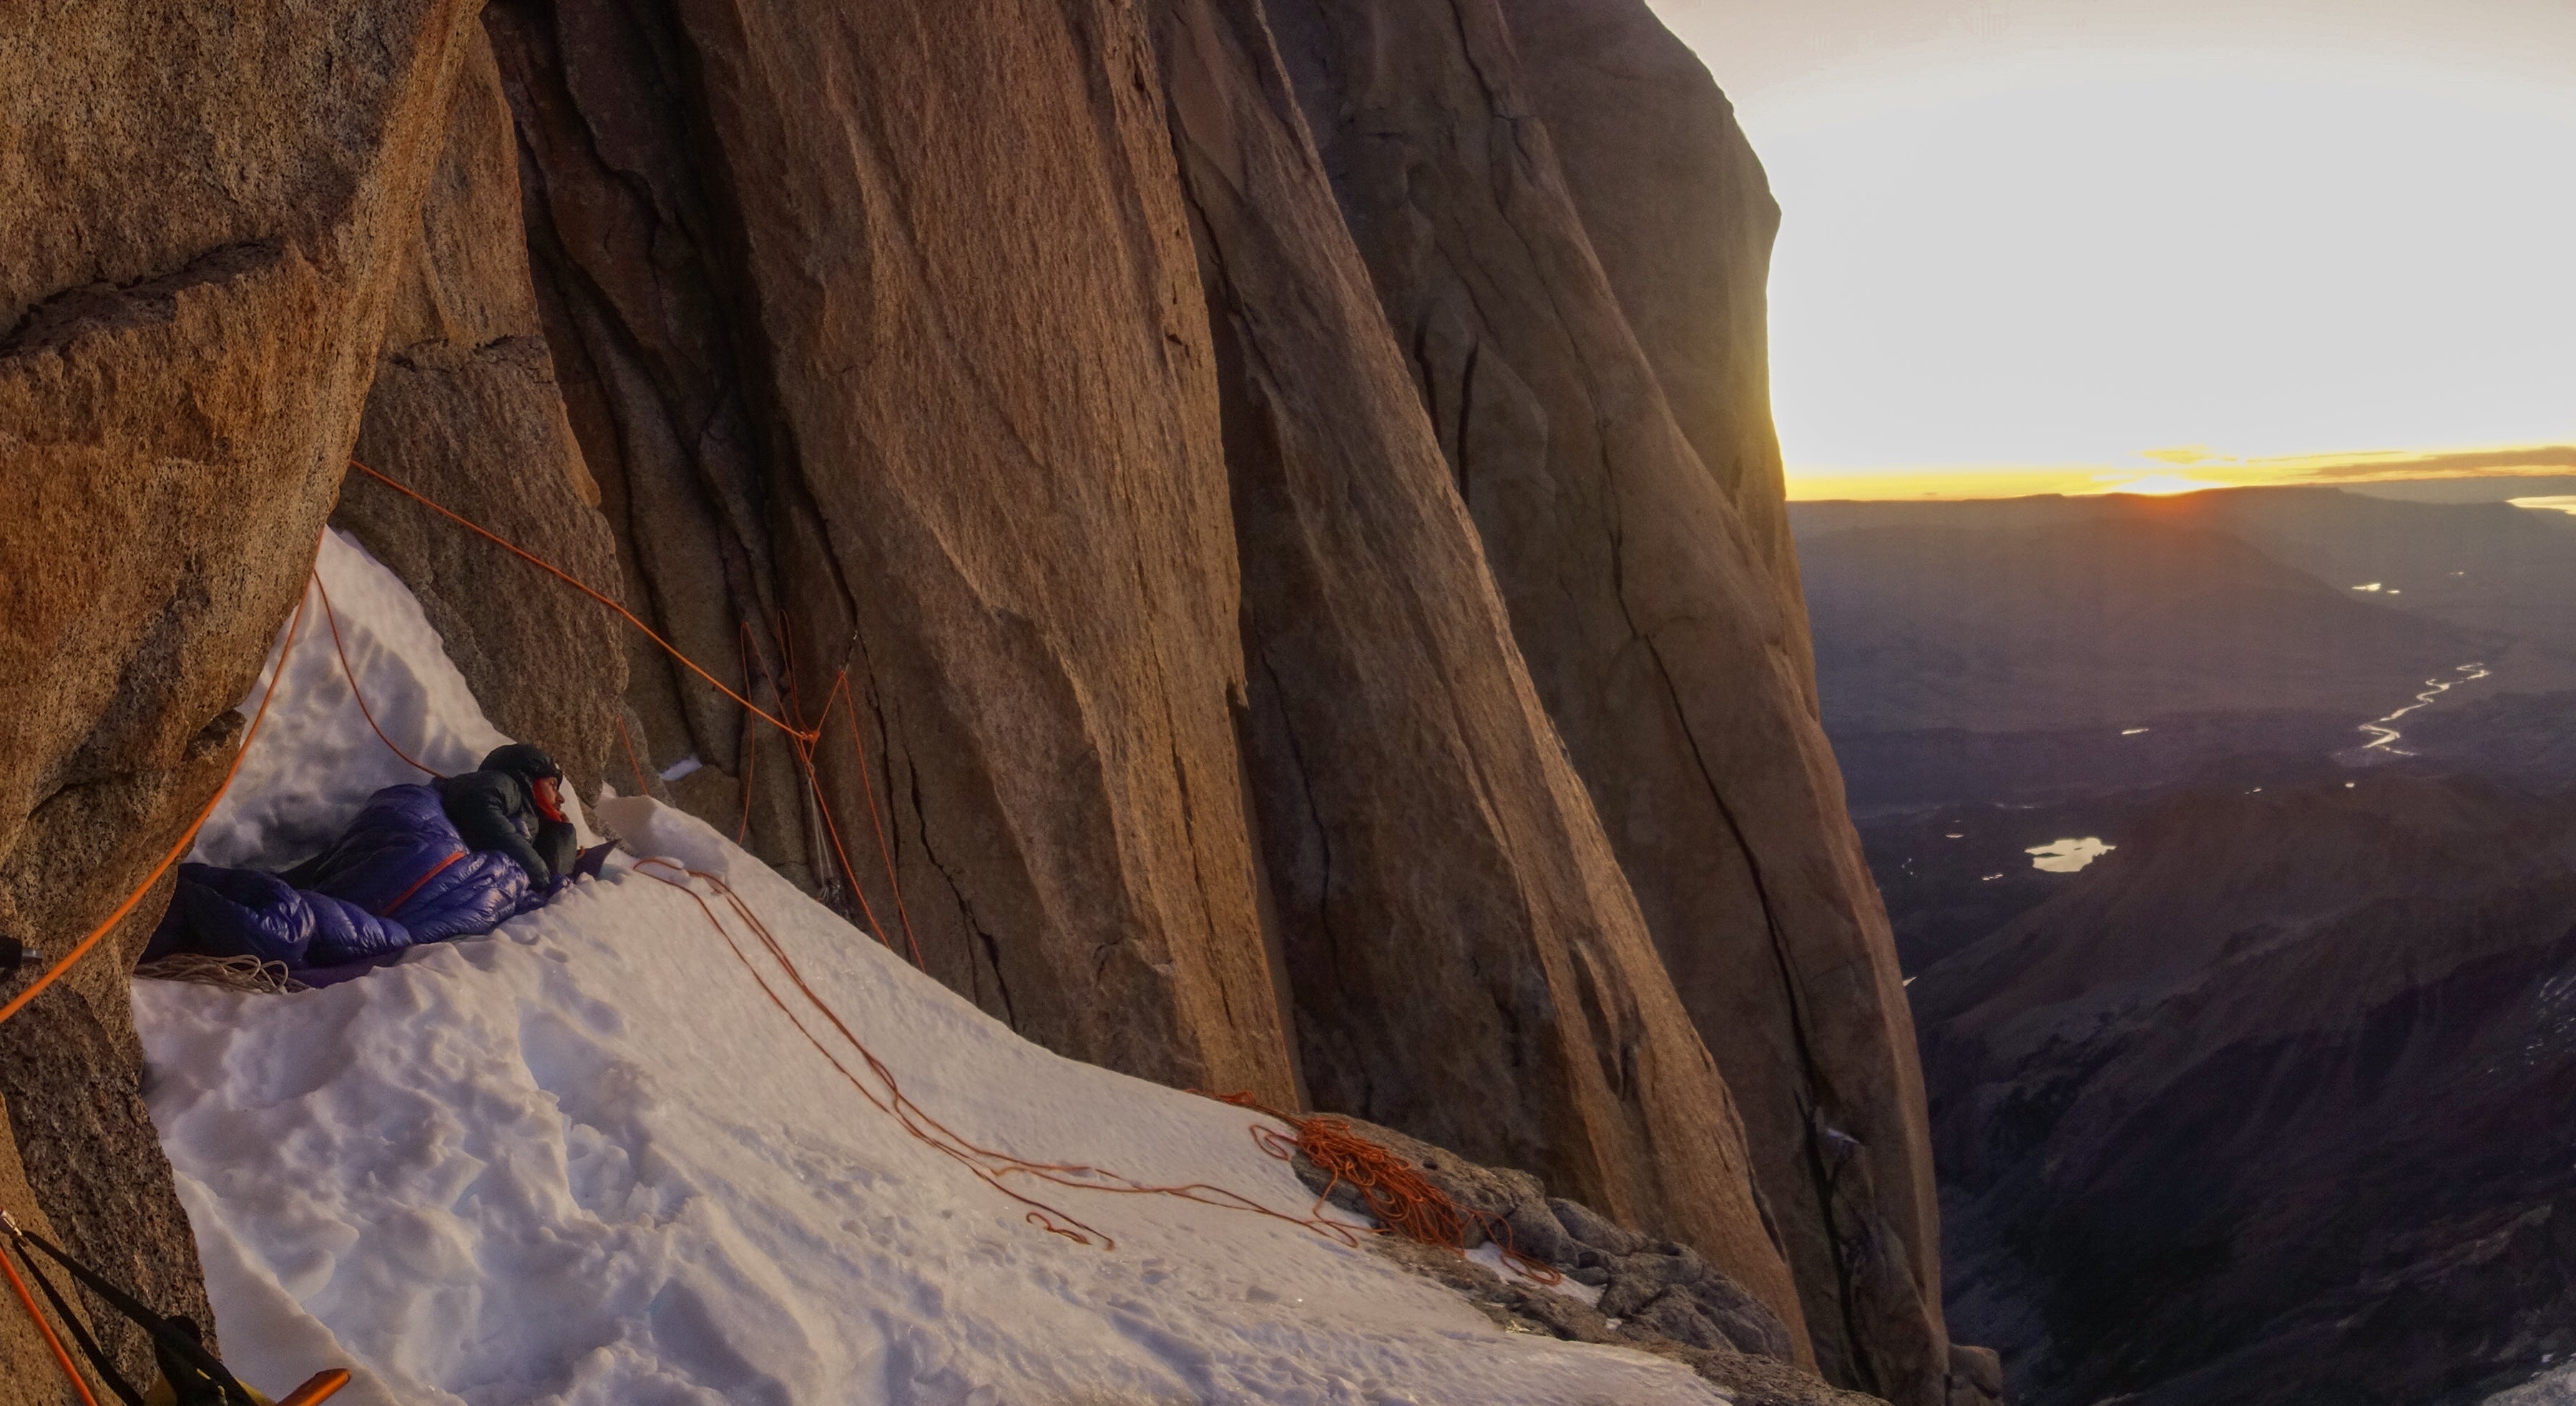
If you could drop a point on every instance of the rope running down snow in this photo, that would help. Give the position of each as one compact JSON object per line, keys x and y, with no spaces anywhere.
{"x":988,"y":1165}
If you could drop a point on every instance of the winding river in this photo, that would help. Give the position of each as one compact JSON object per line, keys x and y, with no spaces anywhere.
{"x":2383,"y":737}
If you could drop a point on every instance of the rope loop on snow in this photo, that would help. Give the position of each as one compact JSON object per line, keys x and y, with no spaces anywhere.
{"x":245,"y":973}
{"x":1403,"y":1200}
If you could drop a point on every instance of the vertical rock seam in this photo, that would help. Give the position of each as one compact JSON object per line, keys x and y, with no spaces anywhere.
{"x":1638,"y":539}
{"x":786,"y":259}
{"x":465,"y":409}
{"x":1467,"y":960}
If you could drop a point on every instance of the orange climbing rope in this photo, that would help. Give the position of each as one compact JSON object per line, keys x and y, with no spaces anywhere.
{"x":333,"y":618}
{"x":1403,"y":1200}
{"x":294,"y":625}
{"x":586,"y":589}
{"x":850,"y":712}
{"x":987,"y":1164}
{"x":832,"y":830}
{"x":642,"y":786}
{"x":803,"y":739}
{"x":46,"y":1329}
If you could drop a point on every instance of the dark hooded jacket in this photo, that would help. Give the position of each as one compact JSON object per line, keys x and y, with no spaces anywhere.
{"x":495,"y":810}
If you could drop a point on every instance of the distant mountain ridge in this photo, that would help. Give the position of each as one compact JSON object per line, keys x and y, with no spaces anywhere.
{"x":2094,"y":621}
{"x":2033,"y":648}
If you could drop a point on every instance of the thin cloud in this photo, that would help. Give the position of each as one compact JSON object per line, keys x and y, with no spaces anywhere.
{"x":2384,"y":464}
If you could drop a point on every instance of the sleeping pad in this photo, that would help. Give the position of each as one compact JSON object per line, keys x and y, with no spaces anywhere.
{"x":398,"y":877}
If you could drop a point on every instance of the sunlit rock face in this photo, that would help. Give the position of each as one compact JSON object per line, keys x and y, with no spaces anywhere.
{"x":2258,"y":1108}
{"x":887,"y":351}
{"x":1189,"y":546}
{"x":205,"y":225}
{"x":1466,"y":958}
{"x":1639,"y":546}
{"x":465,"y":409}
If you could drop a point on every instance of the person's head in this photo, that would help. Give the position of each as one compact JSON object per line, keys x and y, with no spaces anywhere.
{"x":535,"y":770}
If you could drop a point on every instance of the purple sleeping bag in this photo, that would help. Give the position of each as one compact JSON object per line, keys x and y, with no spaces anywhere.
{"x":398,"y":877}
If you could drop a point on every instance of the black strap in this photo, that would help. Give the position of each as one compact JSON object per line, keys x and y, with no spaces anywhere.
{"x":188,"y":1385}
{"x":176,"y":1346}
{"x":107,"y":1372}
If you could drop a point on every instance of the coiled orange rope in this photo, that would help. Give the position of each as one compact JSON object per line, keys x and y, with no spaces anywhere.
{"x":1403,"y":1200}
{"x":294,"y":626}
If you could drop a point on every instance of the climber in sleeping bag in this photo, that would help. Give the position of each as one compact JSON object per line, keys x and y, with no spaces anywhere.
{"x":451,"y":859}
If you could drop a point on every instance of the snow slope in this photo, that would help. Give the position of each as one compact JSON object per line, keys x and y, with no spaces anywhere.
{"x":2549,"y":1389}
{"x":587,"y":1160}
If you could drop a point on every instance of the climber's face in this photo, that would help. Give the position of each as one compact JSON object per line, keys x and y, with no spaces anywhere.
{"x":549,"y":799}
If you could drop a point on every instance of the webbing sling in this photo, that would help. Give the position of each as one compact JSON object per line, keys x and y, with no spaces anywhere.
{"x":182,"y":1356}
{"x":81,"y":1338}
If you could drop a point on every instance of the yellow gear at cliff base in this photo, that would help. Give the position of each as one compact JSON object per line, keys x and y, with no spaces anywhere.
{"x":320,"y":1387}
{"x":161,"y":1394}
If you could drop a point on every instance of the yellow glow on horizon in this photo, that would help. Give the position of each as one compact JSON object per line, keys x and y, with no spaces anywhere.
{"x":2161,"y":485}
{"x":2184,"y":455}
{"x":2206,"y":469}
{"x":2074,"y":271}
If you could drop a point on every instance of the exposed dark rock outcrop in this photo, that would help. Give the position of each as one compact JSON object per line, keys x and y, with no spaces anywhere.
{"x":1656,"y":1295}
{"x":1647,"y":586}
{"x":2263,"y":1107}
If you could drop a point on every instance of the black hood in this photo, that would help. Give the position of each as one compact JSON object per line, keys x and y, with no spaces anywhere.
{"x":524,"y":760}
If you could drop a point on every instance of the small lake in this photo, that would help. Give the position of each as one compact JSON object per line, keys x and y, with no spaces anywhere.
{"x":2067,"y":856}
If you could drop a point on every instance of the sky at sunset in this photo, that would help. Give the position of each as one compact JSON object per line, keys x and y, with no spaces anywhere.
{"x":2152,"y":245}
